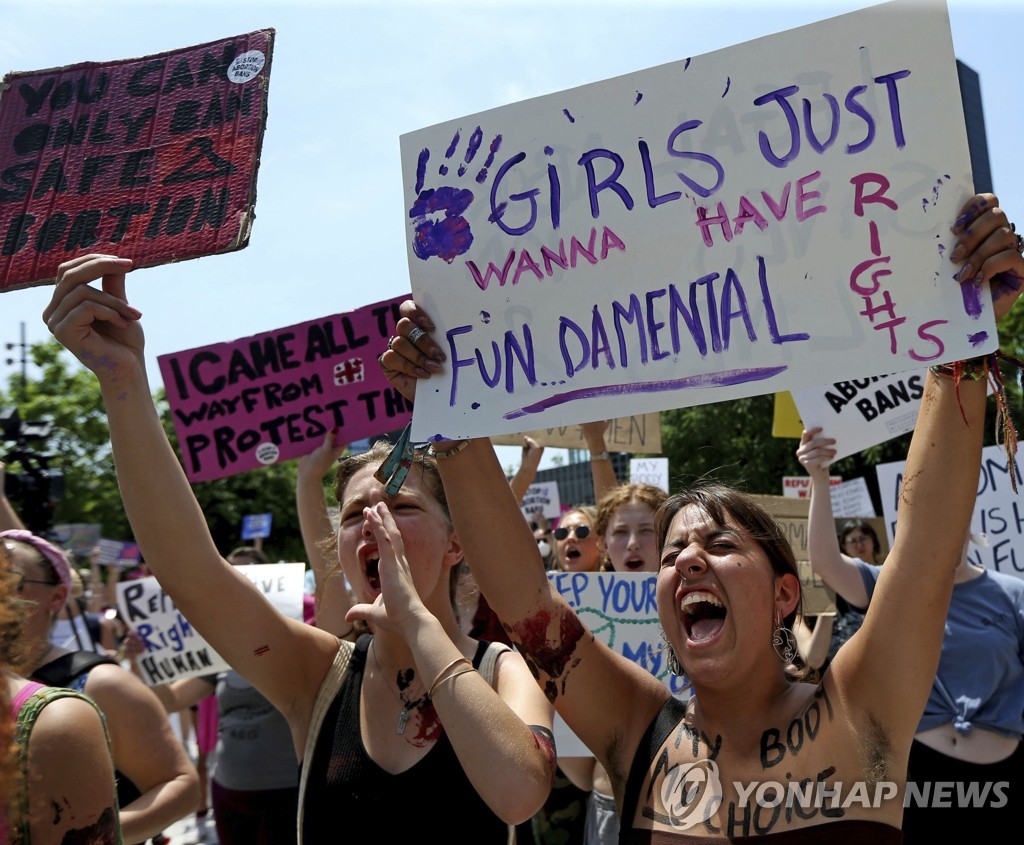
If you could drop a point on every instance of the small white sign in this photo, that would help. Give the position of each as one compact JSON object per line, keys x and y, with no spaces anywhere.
{"x":653,"y":471}
{"x":542,"y":496}
{"x":852,"y":500}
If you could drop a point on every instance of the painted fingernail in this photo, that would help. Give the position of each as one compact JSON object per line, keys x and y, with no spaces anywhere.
{"x":957,"y":253}
{"x":422,"y":373}
{"x":433,"y":366}
{"x":978,"y":280}
{"x":426,"y":325}
{"x":965,"y":273}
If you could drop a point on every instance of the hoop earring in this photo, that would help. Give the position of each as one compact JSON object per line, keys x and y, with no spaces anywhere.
{"x":784,"y":642}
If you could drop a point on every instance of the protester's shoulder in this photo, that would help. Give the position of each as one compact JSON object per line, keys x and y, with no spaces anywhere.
{"x":63,"y":722}
{"x":1011,"y":585}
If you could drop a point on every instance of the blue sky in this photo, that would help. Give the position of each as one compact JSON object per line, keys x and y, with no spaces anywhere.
{"x":349,"y":77}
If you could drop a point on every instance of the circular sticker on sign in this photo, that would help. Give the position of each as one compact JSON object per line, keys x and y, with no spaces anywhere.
{"x":267,"y":453}
{"x":246,"y":66}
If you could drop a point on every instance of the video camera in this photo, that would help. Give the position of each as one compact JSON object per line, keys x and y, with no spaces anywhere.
{"x":37,"y":489}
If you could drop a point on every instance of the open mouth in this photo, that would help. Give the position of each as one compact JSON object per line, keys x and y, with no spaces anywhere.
{"x":372,"y":574}
{"x":633,"y":565}
{"x":573,"y":553}
{"x":703,"y":615}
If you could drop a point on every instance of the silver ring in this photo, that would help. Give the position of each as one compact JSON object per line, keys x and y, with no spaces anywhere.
{"x":390,"y":341}
{"x":1020,"y":244}
{"x":415,"y":335}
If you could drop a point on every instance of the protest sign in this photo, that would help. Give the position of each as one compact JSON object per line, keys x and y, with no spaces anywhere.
{"x":799,"y":486}
{"x":542,"y":496}
{"x":153,"y":158}
{"x":862,"y":412}
{"x":620,"y":609}
{"x":851,"y":499}
{"x":653,"y":471}
{"x":641,"y":433}
{"x":256,"y":526}
{"x":998,"y":518}
{"x":786,"y":420}
{"x":271,"y":397}
{"x":173,"y":648}
{"x":77,"y":537}
{"x":117,"y":553}
{"x":767,"y":216}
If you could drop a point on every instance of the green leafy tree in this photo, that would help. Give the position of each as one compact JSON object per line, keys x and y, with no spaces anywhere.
{"x":78,"y":446}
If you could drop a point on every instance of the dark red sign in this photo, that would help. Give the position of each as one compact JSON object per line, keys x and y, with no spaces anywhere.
{"x":152,"y":159}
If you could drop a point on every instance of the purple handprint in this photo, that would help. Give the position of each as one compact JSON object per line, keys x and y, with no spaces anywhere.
{"x":440,"y":228}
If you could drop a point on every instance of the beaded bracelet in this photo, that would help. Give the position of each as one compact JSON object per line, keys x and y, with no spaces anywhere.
{"x":972,"y":369}
{"x":601,"y":456}
{"x":440,"y":456}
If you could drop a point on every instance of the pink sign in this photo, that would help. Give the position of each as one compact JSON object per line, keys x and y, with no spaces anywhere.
{"x":153,"y":159}
{"x":271,"y":397}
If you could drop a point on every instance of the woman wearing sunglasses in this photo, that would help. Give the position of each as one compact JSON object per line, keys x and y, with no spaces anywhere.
{"x":727,"y":592}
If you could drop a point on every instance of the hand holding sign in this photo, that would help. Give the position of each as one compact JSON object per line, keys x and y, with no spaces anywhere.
{"x":988,"y":249}
{"x":98,"y":327}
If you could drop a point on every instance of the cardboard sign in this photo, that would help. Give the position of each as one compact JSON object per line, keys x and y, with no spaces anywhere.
{"x":620,"y":609}
{"x":174,"y":649}
{"x":154,"y":159}
{"x":653,"y":471}
{"x":271,"y":397}
{"x":641,"y":433}
{"x":998,"y":519}
{"x":791,"y":514}
{"x":863,"y":412}
{"x":768,"y":216}
{"x":542,"y":496}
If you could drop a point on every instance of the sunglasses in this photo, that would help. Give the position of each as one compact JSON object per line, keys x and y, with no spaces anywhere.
{"x":581,"y":532}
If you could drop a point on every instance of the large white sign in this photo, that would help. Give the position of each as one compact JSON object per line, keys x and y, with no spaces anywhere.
{"x":998,"y":512}
{"x":768,"y":216}
{"x":174,"y":649}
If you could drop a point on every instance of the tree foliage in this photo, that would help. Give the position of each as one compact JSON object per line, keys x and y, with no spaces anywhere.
{"x":68,"y":395}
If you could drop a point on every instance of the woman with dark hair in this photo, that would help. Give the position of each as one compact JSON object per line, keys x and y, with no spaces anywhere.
{"x":753,"y":752}
{"x":417,"y":727}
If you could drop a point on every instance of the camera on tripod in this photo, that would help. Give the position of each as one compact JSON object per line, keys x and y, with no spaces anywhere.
{"x":37,"y":488}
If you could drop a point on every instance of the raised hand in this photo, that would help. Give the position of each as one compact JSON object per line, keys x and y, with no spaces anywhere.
{"x":398,"y":600}
{"x":816,"y":454}
{"x":97,"y":326}
{"x":411,"y":354}
{"x":988,"y":250}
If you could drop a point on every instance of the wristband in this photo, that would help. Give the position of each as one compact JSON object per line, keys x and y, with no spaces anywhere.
{"x":440,"y":456}
{"x":601,"y":456}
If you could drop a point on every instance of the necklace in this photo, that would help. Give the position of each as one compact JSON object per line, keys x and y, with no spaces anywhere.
{"x":403,"y":717}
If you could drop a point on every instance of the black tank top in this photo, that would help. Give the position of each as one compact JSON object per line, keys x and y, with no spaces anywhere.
{"x":350,"y":797}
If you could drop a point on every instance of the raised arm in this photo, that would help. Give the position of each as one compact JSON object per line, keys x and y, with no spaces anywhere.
{"x":523,"y":478}
{"x":840,"y":572}
{"x":601,"y":469}
{"x":283,"y":658}
{"x":333,"y":597}
{"x":888,"y":666}
{"x":574,"y":669}
{"x":8,"y":515}
{"x":813,"y":643}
